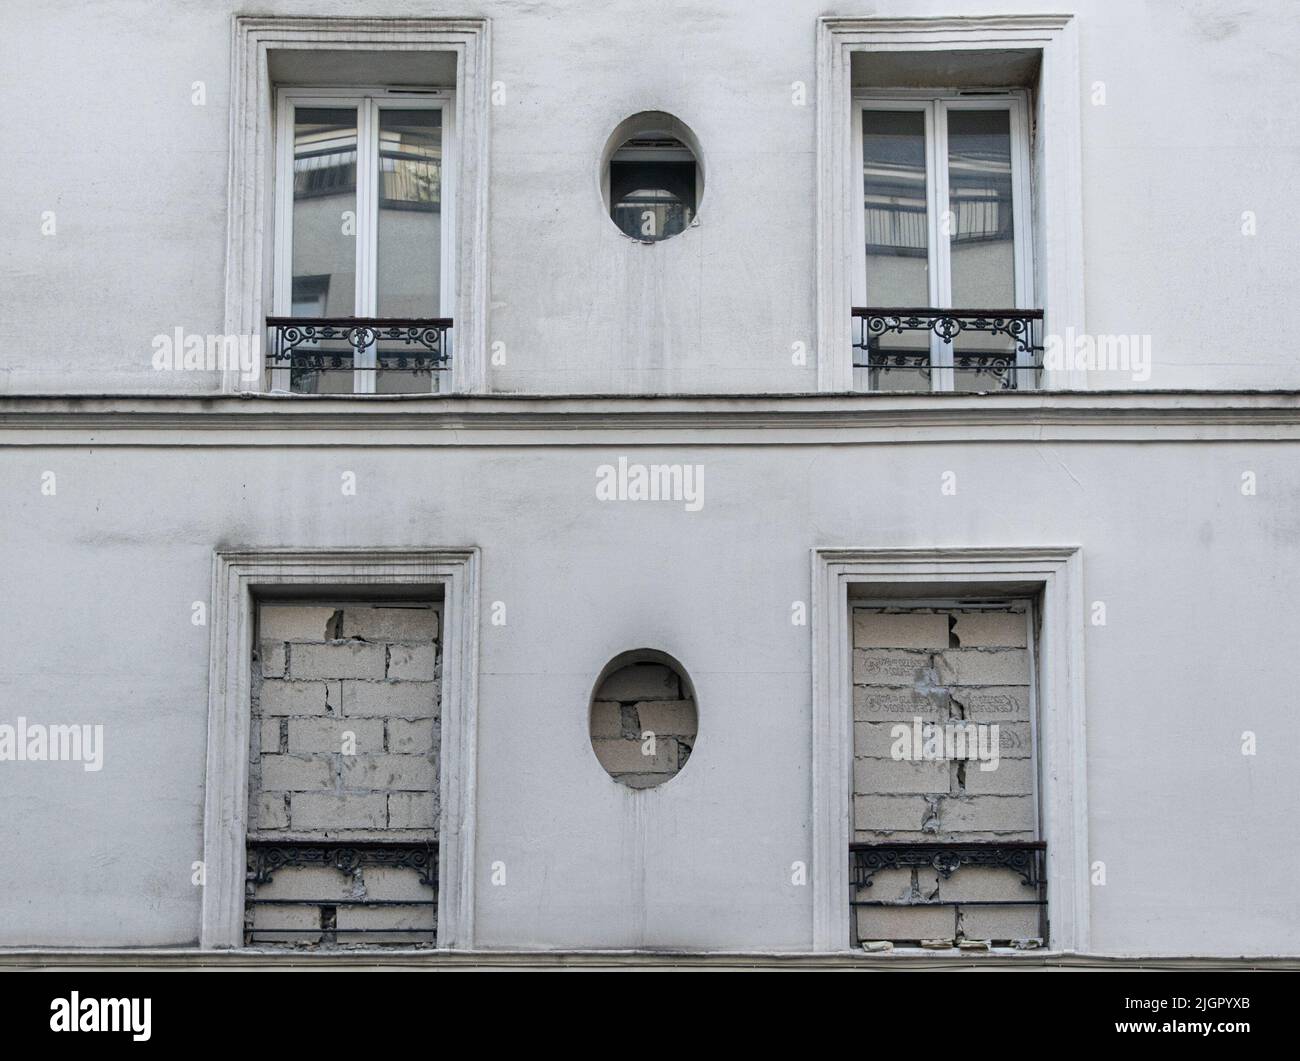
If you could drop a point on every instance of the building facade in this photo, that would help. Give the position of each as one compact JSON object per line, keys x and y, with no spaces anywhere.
{"x":593,"y":477}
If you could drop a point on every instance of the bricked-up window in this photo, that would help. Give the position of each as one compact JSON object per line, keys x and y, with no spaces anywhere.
{"x":945,"y":820}
{"x":643,"y":719}
{"x":343,"y":774}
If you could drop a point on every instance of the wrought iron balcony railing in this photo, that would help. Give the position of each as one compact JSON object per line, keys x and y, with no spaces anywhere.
{"x":267,"y":857}
{"x":1003,"y":345}
{"x":304,"y":346}
{"x":1024,"y":858}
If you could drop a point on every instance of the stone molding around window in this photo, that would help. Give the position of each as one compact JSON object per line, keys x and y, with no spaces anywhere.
{"x":1056,"y":573}
{"x":1056,"y":164}
{"x":238,"y":575}
{"x":251,"y":223}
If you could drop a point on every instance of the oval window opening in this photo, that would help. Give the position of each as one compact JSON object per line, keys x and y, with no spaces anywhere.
{"x":653,"y":179}
{"x":643,"y":719}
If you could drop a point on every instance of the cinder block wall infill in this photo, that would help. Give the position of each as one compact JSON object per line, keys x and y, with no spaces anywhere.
{"x":345,"y":750}
{"x":942,"y":666}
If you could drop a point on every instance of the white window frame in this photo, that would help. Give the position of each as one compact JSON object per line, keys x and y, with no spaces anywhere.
{"x":1056,"y":162}
{"x":1056,"y":574}
{"x":239,"y":577}
{"x":250,"y":264}
{"x":936,"y":106}
{"x":368,"y":101}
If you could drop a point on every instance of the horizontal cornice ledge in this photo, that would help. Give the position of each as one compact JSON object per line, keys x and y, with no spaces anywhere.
{"x":419,"y":420}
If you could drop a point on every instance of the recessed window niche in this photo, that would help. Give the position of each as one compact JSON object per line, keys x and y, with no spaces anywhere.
{"x":643,"y":718}
{"x":651,"y":177}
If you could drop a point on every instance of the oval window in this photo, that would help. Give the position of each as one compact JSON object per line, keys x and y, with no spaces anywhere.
{"x":652,"y":178}
{"x":643,"y":719}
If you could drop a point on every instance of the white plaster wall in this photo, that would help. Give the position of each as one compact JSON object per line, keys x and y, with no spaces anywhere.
{"x":1202,"y":624}
{"x":1199,"y":125}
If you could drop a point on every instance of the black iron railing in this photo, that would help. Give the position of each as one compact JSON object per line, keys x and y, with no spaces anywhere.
{"x":303,"y":345}
{"x":1014,"y":363}
{"x":350,"y":860}
{"x":1024,"y":858}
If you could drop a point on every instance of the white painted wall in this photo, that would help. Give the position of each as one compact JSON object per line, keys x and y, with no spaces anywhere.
{"x":1199,"y":125}
{"x":98,"y":581}
{"x":1202,"y":621}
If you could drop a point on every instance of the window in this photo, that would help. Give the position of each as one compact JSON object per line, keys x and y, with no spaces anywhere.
{"x":364,"y":246}
{"x":652,"y":188}
{"x":946,"y":845}
{"x":643,"y":719}
{"x":342,"y":844}
{"x":651,"y":177}
{"x":944,"y":290}
{"x":847,"y":673}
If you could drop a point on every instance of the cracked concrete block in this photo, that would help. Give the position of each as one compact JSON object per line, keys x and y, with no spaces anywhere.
{"x":412,"y":810}
{"x":626,"y":756}
{"x":290,"y":773}
{"x":985,"y":883}
{"x":282,"y":697}
{"x":337,"y":659}
{"x":895,"y":667}
{"x":882,"y":813}
{"x":1000,"y":924}
{"x":412,"y":662}
{"x":606,"y":719}
{"x":326,"y":811}
{"x":874,"y":740}
{"x":378,"y":917}
{"x":412,"y":737}
{"x":392,"y":882}
{"x":267,"y":919}
{"x":1011,"y":777}
{"x":389,"y":772}
{"x":272,"y":812}
{"x":390,"y":699}
{"x":900,"y":885}
{"x":641,"y":681}
{"x":390,"y":623}
{"x":872,"y":703}
{"x":991,"y":629}
{"x":1015,"y":740}
{"x":899,"y":630}
{"x":323,"y":883}
{"x":325,"y":735}
{"x":667,"y":717}
{"x":991,"y":814}
{"x":269,"y":736}
{"x":271,"y":658}
{"x":890,"y":776}
{"x":295,"y":622}
{"x":973,"y":666}
{"x":991,"y":703}
{"x":906,"y":924}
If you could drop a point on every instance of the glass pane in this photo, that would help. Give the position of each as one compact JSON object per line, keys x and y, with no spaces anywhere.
{"x":324,"y":243}
{"x":409,"y":267}
{"x":896,"y":228}
{"x":979,"y":201}
{"x":982,"y":241}
{"x":652,"y":198}
{"x":897,"y":234}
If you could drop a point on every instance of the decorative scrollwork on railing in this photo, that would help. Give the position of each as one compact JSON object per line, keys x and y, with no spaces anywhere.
{"x":948,"y":324}
{"x":265,"y":857}
{"x":1022,"y":857}
{"x":1019,"y":327}
{"x":296,"y":341}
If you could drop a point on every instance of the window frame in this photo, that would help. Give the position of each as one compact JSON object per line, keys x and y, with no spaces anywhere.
{"x":936,"y":104}
{"x":239,"y":577}
{"x":369,"y":101}
{"x":844,"y":41}
{"x":1053,"y":576}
